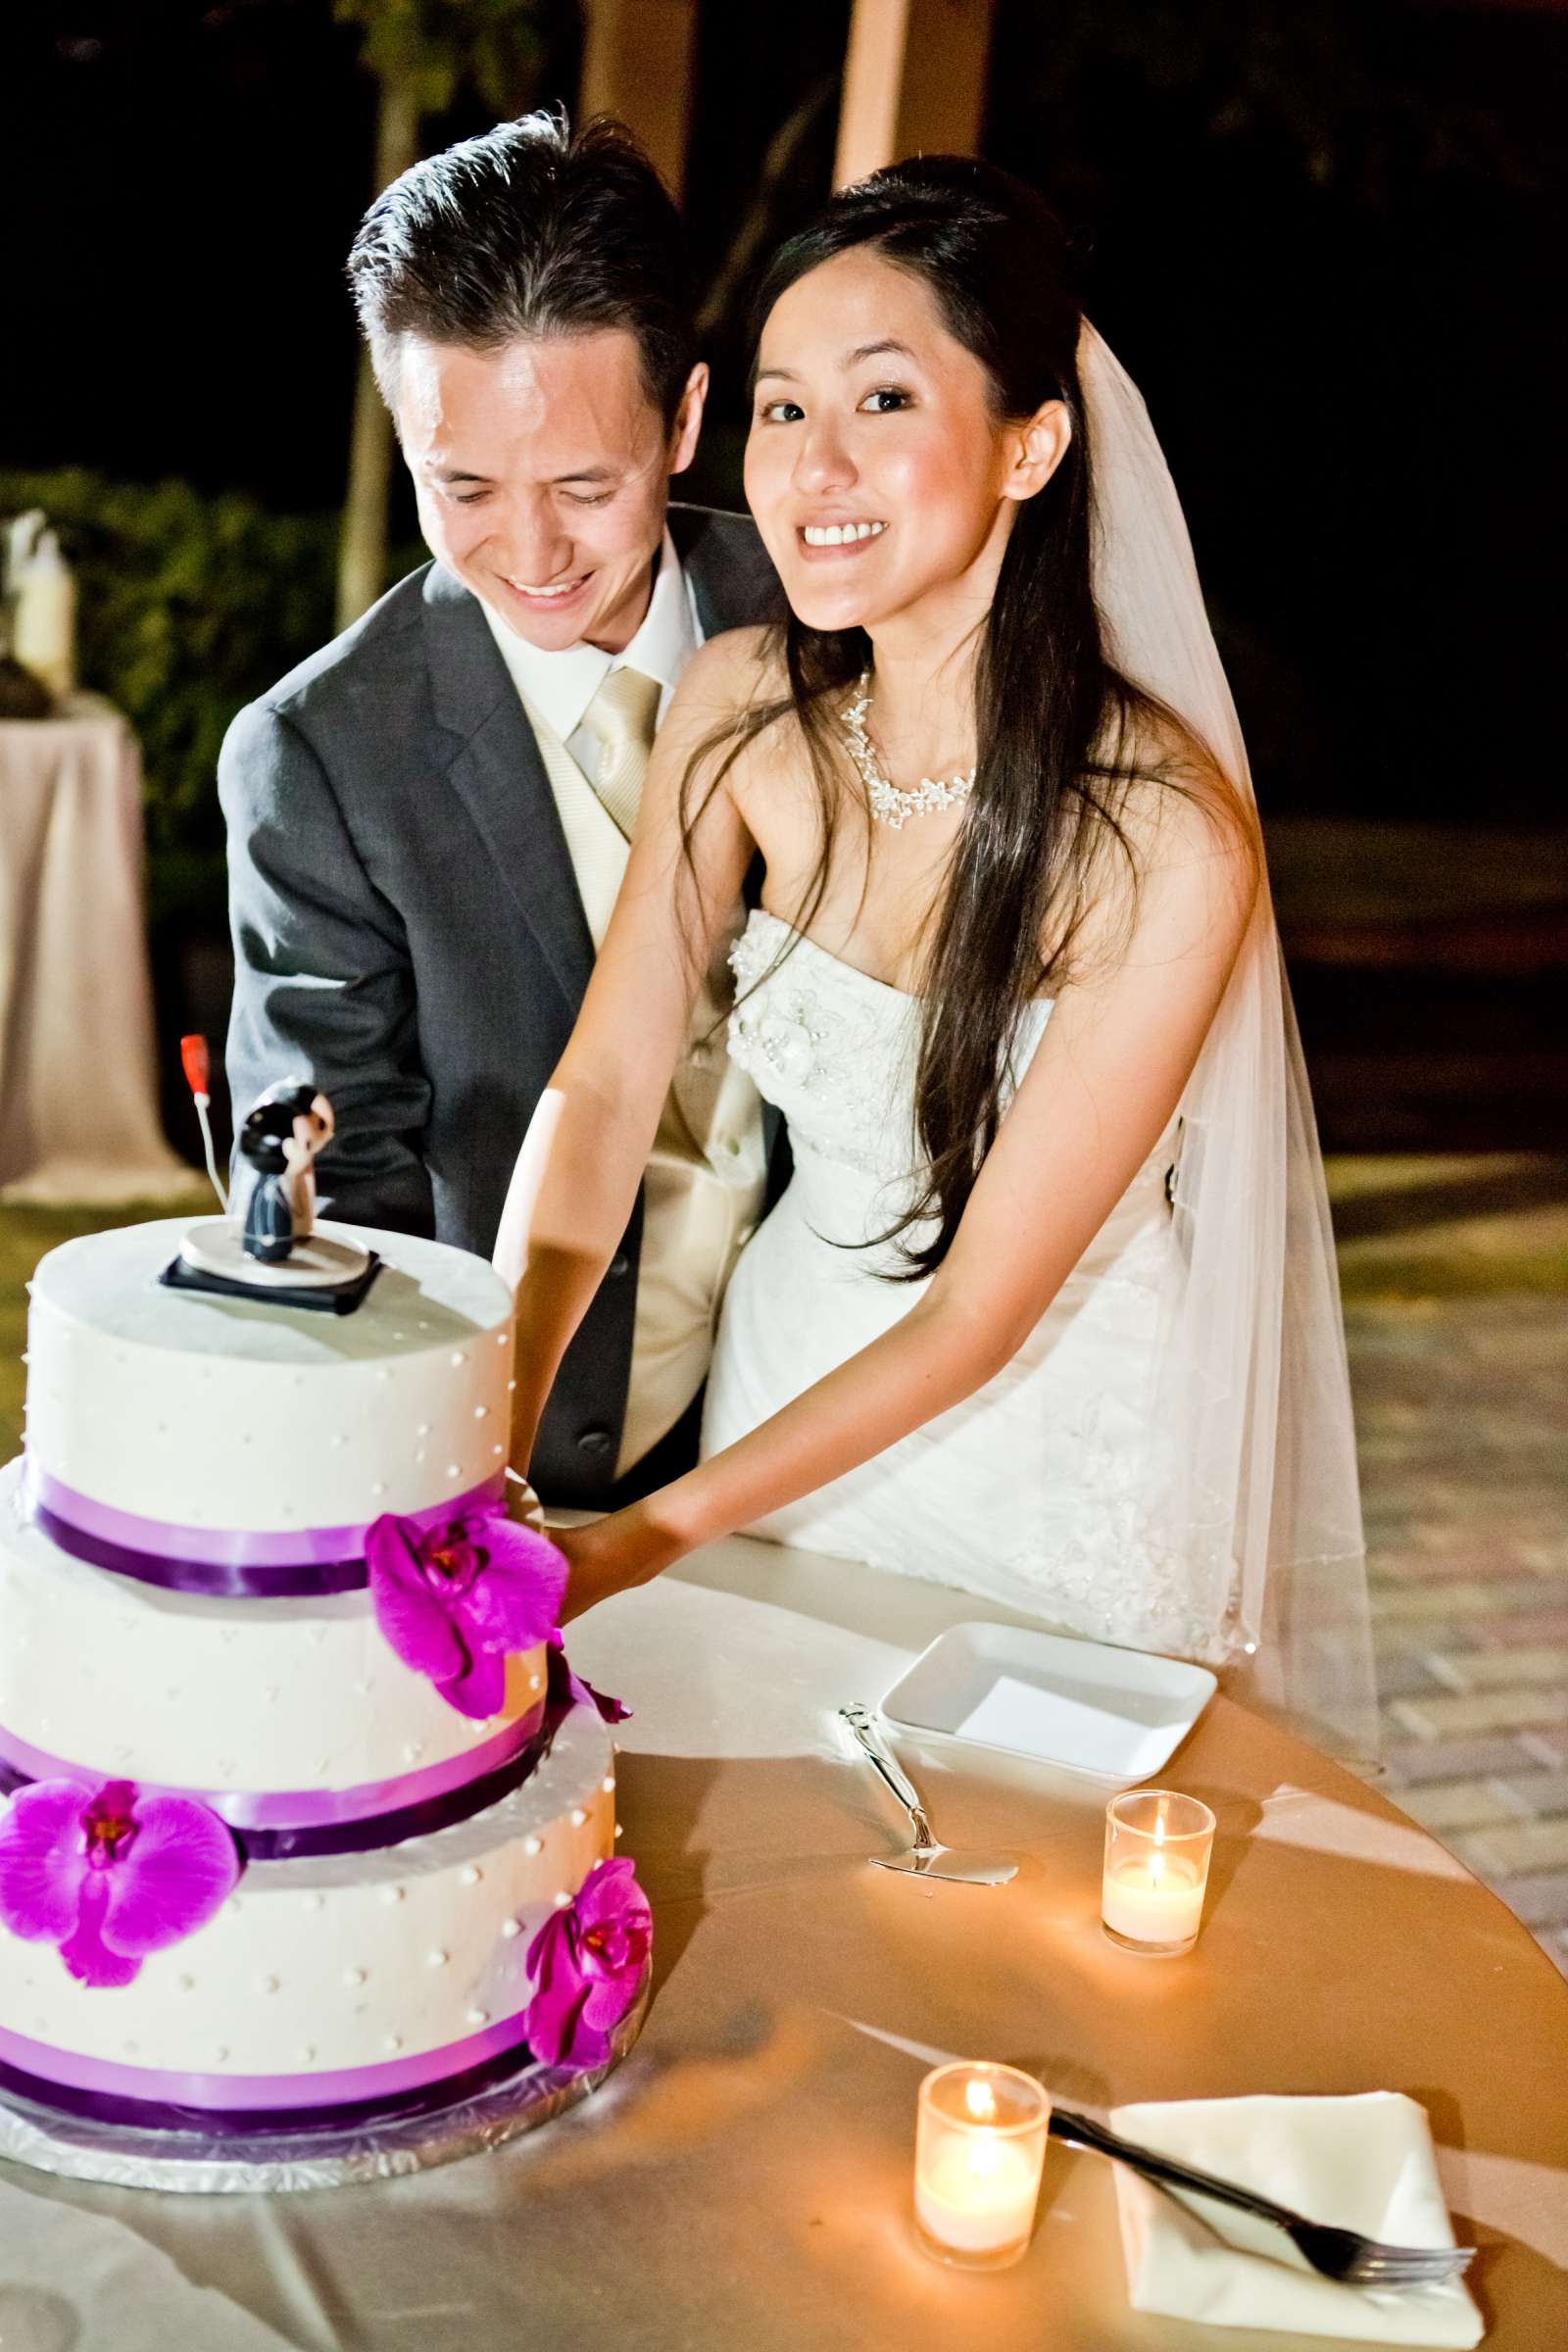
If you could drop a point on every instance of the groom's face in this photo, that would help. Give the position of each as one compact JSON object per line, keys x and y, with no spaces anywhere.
{"x":541,"y":473}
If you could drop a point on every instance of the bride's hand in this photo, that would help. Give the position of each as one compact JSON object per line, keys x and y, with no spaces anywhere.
{"x":608,"y":1556}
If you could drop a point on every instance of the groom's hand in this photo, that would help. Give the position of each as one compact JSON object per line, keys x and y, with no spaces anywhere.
{"x":522,"y":1504}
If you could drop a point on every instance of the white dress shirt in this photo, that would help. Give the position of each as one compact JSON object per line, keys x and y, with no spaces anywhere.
{"x":703,"y":1183}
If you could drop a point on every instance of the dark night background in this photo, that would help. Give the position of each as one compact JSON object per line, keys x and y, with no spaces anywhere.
{"x":1323,"y":237}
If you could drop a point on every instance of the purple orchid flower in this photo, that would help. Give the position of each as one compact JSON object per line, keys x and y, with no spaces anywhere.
{"x":587,"y":1962}
{"x":111,"y":1874}
{"x":581,"y":1692}
{"x":452,"y":1600}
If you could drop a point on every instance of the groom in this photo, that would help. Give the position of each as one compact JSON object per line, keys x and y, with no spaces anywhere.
{"x":428,"y":819}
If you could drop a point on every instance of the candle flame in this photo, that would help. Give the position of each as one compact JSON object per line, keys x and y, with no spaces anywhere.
{"x":981,"y":2100}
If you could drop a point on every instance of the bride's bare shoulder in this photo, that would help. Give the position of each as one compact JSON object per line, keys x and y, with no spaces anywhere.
{"x":733,"y":674}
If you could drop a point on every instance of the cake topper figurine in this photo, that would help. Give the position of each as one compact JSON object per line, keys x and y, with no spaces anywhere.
{"x":266,"y":1243}
{"x":273,"y":1199}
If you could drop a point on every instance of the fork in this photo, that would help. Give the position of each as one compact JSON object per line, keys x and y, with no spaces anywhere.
{"x":1342,"y":2254}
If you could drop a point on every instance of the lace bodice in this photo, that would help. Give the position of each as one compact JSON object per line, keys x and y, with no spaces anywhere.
{"x":833,"y":1049}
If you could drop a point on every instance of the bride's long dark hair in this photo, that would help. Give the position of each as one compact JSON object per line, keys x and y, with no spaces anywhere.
{"x":1058,"y":732}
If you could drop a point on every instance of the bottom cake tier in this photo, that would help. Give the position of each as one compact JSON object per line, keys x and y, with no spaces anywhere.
{"x":331,"y":1989}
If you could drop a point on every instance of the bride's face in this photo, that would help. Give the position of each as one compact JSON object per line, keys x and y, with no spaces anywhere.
{"x":880,"y":477}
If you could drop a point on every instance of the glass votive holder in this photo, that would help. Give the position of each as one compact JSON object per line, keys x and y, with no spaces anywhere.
{"x":1158,"y":1845}
{"x":979,"y":2149}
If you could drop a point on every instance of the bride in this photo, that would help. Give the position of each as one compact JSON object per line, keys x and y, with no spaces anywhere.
{"x":1047,"y":1311}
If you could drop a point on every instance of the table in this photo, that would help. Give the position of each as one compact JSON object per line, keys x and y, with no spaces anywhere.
{"x":744,"y":2178}
{"x":78,"y":1097}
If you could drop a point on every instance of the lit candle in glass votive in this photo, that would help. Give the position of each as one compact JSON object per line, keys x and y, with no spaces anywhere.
{"x":979,"y":2148}
{"x":1157,"y":1846}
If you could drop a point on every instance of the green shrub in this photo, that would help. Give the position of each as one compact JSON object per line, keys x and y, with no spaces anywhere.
{"x":188,"y":607}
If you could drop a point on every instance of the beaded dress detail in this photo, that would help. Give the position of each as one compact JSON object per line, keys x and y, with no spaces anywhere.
{"x":1033,"y":1492}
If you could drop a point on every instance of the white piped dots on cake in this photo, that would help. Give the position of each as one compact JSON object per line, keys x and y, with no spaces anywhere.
{"x":393,"y":2042}
{"x":392,"y":1895}
{"x":478,"y":2017}
{"x":470,"y":1874}
{"x":510,"y":1930}
{"x":578,"y":1817}
{"x":438,"y":1958}
{"x":268,"y":1983}
{"x":458,"y":1359}
{"x":533,"y":1845}
{"x":562,"y":1900}
{"x":353,"y":1976}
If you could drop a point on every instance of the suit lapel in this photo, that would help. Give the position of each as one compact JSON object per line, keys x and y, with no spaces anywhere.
{"x":500,"y":778}
{"x":732,"y":582}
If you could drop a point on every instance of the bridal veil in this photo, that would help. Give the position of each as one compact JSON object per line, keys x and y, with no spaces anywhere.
{"x":1253,"y":1477}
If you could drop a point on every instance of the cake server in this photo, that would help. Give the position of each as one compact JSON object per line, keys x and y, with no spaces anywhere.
{"x":927,"y":1857}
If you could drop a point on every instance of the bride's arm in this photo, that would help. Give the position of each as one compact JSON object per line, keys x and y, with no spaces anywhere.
{"x":1116,"y":1054}
{"x":575,"y":1182}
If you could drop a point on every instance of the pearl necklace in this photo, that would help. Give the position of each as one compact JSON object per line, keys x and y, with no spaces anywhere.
{"x":890,"y":805}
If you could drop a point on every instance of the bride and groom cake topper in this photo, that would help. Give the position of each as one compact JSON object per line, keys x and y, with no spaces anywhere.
{"x":823,"y":959}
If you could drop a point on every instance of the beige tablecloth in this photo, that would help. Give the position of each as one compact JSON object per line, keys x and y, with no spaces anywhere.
{"x":744,"y":2178}
{"x":78,"y":1116}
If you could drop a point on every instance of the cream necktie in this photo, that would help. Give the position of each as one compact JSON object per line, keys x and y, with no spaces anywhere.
{"x":621,"y":716}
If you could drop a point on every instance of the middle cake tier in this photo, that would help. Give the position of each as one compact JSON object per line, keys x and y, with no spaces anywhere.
{"x":250,"y":1696}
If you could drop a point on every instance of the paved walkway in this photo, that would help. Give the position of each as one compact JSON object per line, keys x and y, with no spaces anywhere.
{"x":1455,"y":1279}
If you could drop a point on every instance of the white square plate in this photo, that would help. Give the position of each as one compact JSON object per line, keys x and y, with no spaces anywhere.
{"x":1112,"y":1716}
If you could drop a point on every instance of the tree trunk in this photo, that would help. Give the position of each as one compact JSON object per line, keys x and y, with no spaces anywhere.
{"x":362,"y":549}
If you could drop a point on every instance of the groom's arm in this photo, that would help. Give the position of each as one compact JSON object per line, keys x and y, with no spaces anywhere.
{"x":323,"y":986}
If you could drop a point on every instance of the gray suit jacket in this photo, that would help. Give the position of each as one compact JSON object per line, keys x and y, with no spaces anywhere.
{"x":408,"y":931}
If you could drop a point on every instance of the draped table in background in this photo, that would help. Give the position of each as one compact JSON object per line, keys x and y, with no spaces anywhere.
{"x":78,"y":1097}
{"x":744,"y":2178}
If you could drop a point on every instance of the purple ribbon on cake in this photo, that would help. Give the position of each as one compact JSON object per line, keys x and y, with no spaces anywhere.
{"x":230,"y":1563}
{"x":276,"y":1825}
{"x":162,"y":2100}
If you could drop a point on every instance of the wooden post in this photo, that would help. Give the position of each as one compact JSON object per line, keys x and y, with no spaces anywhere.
{"x":638,"y":58}
{"x":914,"y":81}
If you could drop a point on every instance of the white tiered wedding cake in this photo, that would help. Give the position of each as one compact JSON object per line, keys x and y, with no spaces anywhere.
{"x":308,"y":1819}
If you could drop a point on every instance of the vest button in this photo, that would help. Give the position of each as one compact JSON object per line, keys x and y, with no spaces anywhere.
{"x":595,"y":1442}
{"x":619,"y":1264}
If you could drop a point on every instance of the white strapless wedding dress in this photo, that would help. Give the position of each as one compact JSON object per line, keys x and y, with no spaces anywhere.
{"x":1032,"y":1491}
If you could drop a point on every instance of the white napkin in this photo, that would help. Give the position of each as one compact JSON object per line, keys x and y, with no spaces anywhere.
{"x":1361,"y":2163}
{"x":75,"y":2282}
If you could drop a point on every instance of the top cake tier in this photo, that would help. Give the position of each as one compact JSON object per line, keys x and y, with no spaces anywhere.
{"x":206,"y":1413}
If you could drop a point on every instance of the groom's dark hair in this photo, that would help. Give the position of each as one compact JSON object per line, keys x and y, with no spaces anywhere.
{"x":530,"y":230}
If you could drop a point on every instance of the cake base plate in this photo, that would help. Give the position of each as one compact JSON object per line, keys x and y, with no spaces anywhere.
{"x":251,"y":2164}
